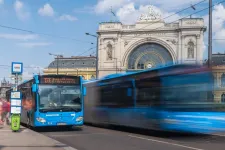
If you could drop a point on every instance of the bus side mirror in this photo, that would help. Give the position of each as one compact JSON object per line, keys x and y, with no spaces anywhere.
{"x":84,"y":91}
{"x":34,"y":88}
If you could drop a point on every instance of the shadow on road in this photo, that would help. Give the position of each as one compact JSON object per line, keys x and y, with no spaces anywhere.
{"x":163,"y":134}
{"x":57,"y":129}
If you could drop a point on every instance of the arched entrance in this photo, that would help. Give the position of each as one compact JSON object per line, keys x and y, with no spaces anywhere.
{"x":149,"y":55}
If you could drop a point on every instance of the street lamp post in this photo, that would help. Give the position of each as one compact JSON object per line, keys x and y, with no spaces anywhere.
{"x":96,"y":53}
{"x":57,"y":62}
{"x":210,"y":35}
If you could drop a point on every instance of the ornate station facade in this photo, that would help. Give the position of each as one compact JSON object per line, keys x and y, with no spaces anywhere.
{"x":149,"y":43}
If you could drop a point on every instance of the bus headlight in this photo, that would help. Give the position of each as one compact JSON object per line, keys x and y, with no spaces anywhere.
{"x":79,"y":119}
{"x":42,"y":120}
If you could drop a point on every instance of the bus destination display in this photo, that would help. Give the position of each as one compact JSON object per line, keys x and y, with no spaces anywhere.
{"x":55,"y":80}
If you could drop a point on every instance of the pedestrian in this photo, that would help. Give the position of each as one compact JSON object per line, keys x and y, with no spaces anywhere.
{"x":1,"y":111}
{"x":4,"y":111}
{"x":8,"y":113}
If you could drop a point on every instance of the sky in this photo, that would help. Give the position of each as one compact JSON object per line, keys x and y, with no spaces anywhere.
{"x":31,"y":29}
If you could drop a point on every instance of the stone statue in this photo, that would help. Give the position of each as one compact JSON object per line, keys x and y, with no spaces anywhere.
{"x":152,"y":15}
{"x":109,"y":52}
{"x":190,"y":50}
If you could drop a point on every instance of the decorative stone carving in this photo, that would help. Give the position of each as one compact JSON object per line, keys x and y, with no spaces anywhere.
{"x":126,"y":43}
{"x":191,"y":21}
{"x":109,"y":51}
{"x":198,"y":36}
{"x":191,"y":49}
{"x":173,"y":41}
{"x":152,"y":15}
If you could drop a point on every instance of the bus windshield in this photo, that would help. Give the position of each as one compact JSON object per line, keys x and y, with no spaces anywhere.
{"x":59,"y":98}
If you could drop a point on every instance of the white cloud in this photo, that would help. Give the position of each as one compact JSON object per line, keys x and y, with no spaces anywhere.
{"x":220,"y":36}
{"x":67,"y":17}
{"x":21,"y":13}
{"x":105,"y":5}
{"x":23,"y":37}
{"x":34,"y":44}
{"x":129,"y":15}
{"x":218,"y":17}
{"x":46,"y":10}
{"x":218,"y":22}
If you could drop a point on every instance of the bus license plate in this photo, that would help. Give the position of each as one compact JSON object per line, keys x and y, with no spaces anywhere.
{"x":61,"y":124}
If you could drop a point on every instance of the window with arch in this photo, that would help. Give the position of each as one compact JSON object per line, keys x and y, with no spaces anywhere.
{"x":191,"y":48}
{"x":223,"y":80}
{"x":223,"y":97}
{"x":109,"y":51}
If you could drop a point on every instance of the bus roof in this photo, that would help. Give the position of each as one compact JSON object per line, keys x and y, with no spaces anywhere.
{"x":114,"y":76}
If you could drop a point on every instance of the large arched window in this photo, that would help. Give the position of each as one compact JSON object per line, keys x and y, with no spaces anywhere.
{"x":223,"y":98}
{"x":149,"y":55}
{"x":223,"y":80}
{"x":109,"y":51}
{"x":191,"y":48}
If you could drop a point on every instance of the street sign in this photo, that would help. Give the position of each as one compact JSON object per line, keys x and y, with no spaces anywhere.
{"x":17,"y":68}
{"x":15,"y":95}
{"x":16,"y":102}
{"x":15,"y":110}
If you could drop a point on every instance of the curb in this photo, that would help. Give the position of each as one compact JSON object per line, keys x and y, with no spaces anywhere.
{"x":66,"y":147}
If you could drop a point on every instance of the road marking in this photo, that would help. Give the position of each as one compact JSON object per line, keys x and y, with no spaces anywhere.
{"x":218,"y":135}
{"x":70,"y":148}
{"x":169,"y":143}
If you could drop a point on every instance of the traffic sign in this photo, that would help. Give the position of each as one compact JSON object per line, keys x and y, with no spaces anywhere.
{"x":17,"y":68}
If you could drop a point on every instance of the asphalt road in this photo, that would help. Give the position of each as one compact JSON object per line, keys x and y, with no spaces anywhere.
{"x":93,"y":138}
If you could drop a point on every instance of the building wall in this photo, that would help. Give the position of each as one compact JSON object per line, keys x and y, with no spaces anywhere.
{"x":219,"y":89}
{"x":126,"y":38}
{"x":87,"y":73}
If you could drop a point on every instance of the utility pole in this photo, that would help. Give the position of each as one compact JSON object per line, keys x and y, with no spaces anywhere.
{"x":57,"y":62}
{"x":96,"y":64}
{"x":210,"y":35}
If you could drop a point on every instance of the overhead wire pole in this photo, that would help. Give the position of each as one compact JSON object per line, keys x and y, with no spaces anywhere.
{"x":210,"y":35}
{"x":57,"y":62}
{"x":96,"y":64}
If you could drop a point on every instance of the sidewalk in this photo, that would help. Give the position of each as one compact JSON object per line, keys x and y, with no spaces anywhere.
{"x":26,"y":139}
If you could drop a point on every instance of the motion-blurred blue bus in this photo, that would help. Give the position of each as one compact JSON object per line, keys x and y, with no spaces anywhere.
{"x":175,"y":98}
{"x":52,"y":100}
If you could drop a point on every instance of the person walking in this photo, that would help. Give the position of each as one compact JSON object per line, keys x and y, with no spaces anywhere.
{"x":1,"y":112}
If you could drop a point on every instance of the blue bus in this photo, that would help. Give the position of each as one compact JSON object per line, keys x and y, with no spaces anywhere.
{"x":52,"y":100}
{"x":175,"y":98}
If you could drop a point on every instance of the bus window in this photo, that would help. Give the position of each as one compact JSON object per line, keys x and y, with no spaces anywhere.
{"x":53,"y":97}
